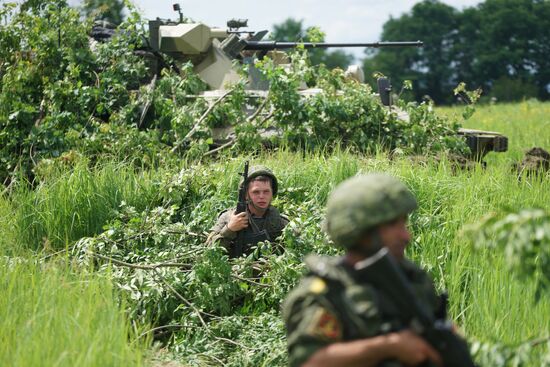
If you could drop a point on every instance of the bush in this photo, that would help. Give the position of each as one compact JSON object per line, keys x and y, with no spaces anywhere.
{"x":506,"y":89}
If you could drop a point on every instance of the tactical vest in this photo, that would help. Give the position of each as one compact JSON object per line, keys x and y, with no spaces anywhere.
{"x":260,"y":229}
{"x":363,"y":310}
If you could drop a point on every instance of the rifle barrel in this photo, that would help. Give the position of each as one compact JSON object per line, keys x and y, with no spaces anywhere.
{"x":274,"y":45}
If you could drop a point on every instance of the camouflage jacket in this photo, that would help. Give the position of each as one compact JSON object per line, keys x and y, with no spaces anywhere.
{"x":331,"y":305}
{"x":266,"y":228}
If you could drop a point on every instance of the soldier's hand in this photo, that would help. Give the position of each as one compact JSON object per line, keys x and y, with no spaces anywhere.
{"x":412,"y":350}
{"x":238,"y":222}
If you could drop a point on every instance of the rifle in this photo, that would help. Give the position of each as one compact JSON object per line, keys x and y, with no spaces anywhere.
{"x":382,"y":271}
{"x":241,"y":207}
{"x":241,"y":200}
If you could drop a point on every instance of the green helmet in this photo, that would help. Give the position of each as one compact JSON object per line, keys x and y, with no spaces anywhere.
{"x":361,"y":203}
{"x":256,"y":171}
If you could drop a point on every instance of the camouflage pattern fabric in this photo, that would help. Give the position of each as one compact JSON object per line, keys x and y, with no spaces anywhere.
{"x":332,"y":305}
{"x":273,"y":222}
{"x":364,"y":202}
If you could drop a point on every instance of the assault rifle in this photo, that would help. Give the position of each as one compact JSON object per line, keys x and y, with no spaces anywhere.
{"x":382,"y":272}
{"x":241,"y":207}
{"x":241,"y":201}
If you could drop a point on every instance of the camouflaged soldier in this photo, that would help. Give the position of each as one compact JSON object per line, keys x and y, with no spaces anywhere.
{"x":261,"y":221}
{"x":335,"y":317}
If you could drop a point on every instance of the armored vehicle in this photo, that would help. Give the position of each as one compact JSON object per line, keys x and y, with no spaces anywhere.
{"x":217,"y":54}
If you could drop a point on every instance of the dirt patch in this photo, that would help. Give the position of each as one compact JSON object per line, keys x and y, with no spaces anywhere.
{"x":536,"y":161}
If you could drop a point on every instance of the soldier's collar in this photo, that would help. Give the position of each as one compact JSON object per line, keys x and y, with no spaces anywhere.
{"x":263,"y":216}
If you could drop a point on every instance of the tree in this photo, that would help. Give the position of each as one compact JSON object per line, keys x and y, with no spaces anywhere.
{"x":109,"y":10}
{"x":497,"y":44}
{"x":292,"y":30}
{"x":431,"y":68}
{"x":512,"y":42}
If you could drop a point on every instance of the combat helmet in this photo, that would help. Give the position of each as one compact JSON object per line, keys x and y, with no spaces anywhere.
{"x":361,"y":203}
{"x":256,"y":171}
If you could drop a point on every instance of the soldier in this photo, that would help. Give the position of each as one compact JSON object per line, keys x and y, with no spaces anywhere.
{"x":335,"y":317}
{"x":260,"y":222}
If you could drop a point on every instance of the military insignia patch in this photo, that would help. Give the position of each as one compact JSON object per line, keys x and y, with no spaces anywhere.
{"x":325,"y":325}
{"x":317,"y":286}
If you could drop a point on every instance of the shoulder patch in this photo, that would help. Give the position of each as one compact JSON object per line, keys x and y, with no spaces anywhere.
{"x":325,"y":326}
{"x":317,"y":286}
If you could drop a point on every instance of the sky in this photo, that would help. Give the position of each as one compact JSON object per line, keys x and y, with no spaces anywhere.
{"x":341,"y":20}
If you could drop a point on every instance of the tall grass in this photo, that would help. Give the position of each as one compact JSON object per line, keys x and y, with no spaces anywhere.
{"x":526,"y":124}
{"x":76,"y":203}
{"x":488,"y":302}
{"x":53,"y":317}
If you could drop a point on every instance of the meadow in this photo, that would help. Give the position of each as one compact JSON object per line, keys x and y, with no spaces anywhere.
{"x":68,"y":299}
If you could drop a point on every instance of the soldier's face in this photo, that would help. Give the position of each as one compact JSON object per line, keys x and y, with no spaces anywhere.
{"x":260,"y":193}
{"x":395,"y":236}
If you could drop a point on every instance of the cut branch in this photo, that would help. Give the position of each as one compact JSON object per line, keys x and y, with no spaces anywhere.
{"x":148,"y":100}
{"x":142,"y":266}
{"x":197,"y":311}
{"x":251,"y":281}
{"x":233,"y":342}
{"x":221,"y":147}
{"x":257,"y":112}
{"x":201,"y":120}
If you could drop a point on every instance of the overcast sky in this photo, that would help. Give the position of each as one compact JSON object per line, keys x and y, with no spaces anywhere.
{"x":341,"y":20}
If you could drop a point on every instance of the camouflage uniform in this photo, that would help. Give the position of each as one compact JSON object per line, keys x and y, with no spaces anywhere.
{"x":265,"y":228}
{"x":272,"y":224}
{"x":335,"y":302}
{"x":332,"y":304}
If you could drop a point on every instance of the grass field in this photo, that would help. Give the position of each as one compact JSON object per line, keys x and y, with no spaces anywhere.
{"x":56,"y":313}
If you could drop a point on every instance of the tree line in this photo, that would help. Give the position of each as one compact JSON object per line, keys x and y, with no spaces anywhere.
{"x":500,"y":46}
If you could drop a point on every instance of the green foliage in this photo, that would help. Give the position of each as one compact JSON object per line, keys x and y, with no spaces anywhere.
{"x":499,"y":355}
{"x":469,"y":97}
{"x":506,"y":89}
{"x":66,"y":110}
{"x":524,"y":238}
{"x":496,"y":43}
{"x":100,"y":101}
{"x":347,"y":112}
{"x":430,"y":67}
{"x":74,"y":203}
{"x":155,"y":254}
{"x":54,"y":316}
{"x":292,"y":30}
{"x":109,"y":10}
{"x":56,"y":94}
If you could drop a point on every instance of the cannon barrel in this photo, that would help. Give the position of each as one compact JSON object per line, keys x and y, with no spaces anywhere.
{"x":276,"y":45}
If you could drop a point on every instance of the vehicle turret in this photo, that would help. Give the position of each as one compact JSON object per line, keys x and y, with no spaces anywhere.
{"x":217,"y":52}
{"x":213,"y":50}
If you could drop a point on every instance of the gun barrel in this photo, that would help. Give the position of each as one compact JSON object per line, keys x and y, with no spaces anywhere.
{"x":276,"y":45}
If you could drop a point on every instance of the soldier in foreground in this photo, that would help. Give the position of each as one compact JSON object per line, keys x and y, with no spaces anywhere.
{"x":255,"y":219}
{"x":372,"y":307}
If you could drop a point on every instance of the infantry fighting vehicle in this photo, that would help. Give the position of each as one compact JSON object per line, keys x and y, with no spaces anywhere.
{"x":213,"y":52}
